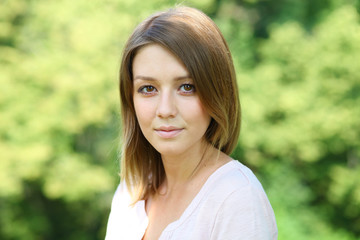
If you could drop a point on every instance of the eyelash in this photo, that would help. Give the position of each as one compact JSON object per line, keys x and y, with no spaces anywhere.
{"x":145,"y":89}
{"x":188,"y":85}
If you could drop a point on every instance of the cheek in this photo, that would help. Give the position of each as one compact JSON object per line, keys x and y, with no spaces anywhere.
{"x":195,"y":111}
{"x":144,"y":111}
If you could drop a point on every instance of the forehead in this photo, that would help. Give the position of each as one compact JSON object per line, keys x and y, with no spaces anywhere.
{"x":156,"y":61}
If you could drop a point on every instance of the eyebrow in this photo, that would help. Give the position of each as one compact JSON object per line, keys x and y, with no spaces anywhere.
{"x":140,"y":77}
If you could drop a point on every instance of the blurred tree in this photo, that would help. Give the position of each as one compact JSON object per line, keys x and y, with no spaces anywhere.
{"x":297,"y":63}
{"x":301,"y":125}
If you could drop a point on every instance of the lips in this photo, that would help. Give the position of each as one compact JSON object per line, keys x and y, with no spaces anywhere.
{"x":168,"y":131}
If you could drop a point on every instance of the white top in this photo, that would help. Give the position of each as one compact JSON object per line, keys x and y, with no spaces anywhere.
{"x":231,"y":205}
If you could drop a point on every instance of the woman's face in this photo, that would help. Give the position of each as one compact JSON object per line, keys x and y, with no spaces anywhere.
{"x":167,"y":106}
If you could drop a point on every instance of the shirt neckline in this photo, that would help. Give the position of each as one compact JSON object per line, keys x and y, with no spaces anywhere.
{"x":197,"y":199}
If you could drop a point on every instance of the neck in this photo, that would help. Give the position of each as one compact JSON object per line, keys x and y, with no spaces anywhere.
{"x":180,"y":169}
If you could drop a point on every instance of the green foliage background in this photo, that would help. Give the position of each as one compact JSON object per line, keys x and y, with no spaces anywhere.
{"x":298,"y":66}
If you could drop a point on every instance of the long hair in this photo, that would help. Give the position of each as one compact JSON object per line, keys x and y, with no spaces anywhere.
{"x":195,"y":39}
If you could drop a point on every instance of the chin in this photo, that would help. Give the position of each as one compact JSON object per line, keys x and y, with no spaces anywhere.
{"x":170,"y":151}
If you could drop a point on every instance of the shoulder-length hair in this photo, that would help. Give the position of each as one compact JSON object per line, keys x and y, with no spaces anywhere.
{"x":195,"y":39}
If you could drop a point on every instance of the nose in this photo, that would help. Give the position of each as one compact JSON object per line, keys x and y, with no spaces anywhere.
{"x":167,"y":105}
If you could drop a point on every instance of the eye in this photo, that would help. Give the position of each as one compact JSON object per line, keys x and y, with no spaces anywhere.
{"x":187,"y":88}
{"x":147,"y":89}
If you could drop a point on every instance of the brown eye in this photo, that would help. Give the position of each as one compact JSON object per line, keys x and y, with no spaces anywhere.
{"x":187,"y":88}
{"x":147,"y":89}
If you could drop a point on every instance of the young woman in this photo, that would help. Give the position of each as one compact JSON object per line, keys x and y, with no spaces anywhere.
{"x":181,"y":120}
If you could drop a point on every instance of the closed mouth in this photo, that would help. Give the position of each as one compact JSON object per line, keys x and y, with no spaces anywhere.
{"x":168,"y":132}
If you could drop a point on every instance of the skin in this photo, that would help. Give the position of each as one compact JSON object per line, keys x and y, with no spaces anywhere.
{"x":173,"y":120}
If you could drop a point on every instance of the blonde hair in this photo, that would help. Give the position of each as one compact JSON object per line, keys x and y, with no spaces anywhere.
{"x":195,"y":39}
